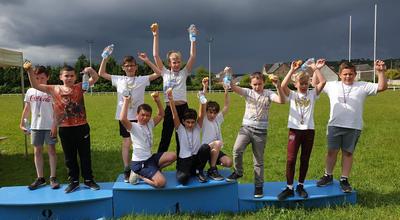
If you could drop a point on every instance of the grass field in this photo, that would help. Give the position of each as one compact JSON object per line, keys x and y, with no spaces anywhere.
{"x":375,"y":174}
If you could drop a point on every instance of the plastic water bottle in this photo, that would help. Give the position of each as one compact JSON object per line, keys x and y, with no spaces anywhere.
{"x":307,"y":63}
{"x":125,"y":91}
{"x":27,"y":125}
{"x":202,"y":97}
{"x":85,"y":81}
{"x":192,"y":32}
{"x":228,"y":79}
{"x":107,"y":51}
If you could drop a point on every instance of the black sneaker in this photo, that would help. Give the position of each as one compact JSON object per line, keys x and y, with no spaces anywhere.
{"x":72,"y":186}
{"x":54,"y":183}
{"x":39,"y":182}
{"x":233,"y":177}
{"x":258,"y":192}
{"x":345,"y":185}
{"x":301,"y":191}
{"x":200,"y":176}
{"x":325,"y":180}
{"x":126,"y":175}
{"x":91,"y":184}
{"x":214,"y":174}
{"x":285,"y":194}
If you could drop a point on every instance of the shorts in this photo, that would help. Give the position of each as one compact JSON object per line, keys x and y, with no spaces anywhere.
{"x":122,"y":130}
{"x":342,"y":138}
{"x":147,"y":168}
{"x":41,"y":137}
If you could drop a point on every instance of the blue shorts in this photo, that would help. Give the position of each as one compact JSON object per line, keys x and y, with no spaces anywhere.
{"x":41,"y":137}
{"x":147,"y":168}
{"x":342,"y":138}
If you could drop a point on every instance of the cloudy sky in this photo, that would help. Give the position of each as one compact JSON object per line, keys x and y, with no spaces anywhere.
{"x":247,"y":33}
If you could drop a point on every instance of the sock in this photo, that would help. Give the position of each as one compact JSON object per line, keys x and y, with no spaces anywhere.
{"x":327,"y":174}
{"x":343,"y":178}
{"x":290,"y":187}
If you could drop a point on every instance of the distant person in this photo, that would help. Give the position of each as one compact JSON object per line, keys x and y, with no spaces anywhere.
{"x":300,"y":123}
{"x":73,"y":128}
{"x":39,"y":106}
{"x":212,"y":135}
{"x":254,"y":127}
{"x":173,"y":77}
{"x":345,"y":123}
{"x":135,"y":87}
{"x":144,"y":164}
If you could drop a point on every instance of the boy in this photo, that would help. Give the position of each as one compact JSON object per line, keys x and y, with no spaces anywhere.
{"x":300,"y":123}
{"x":74,"y":130}
{"x":146,"y":165}
{"x":135,"y":85}
{"x":212,"y":135}
{"x":254,"y":127}
{"x":175,"y":78}
{"x":42,"y":128}
{"x":345,"y":123}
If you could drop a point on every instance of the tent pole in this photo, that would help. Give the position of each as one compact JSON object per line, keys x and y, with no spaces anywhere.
{"x":23,"y":104}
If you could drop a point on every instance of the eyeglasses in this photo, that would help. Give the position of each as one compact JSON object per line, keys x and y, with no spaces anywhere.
{"x":131,"y":65}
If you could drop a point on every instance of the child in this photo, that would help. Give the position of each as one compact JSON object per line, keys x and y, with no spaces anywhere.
{"x":212,"y":135}
{"x":254,"y":127}
{"x":175,"y":78}
{"x":300,"y":123}
{"x":74,"y":131}
{"x":347,"y":99}
{"x":42,"y":129}
{"x":144,"y":163}
{"x":135,"y":85}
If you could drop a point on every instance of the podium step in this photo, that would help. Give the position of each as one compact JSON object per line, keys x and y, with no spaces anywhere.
{"x":195,"y":197}
{"x":327,"y":196}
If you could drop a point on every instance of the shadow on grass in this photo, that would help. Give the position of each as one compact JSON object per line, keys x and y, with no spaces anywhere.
{"x":372,"y":199}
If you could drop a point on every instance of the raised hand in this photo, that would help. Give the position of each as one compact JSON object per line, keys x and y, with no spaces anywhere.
{"x":154,"y":29}
{"x":169,"y":94}
{"x":296,"y":65}
{"x":320,"y":63}
{"x":380,"y":66}
{"x":27,"y":65}
{"x":155,"y":96}
{"x":204,"y":81}
{"x":143,"y":56}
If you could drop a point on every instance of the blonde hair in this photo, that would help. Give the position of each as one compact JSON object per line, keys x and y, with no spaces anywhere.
{"x":301,"y":76}
{"x":174,"y":54}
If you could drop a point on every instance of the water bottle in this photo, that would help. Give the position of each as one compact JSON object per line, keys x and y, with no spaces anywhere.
{"x":85,"y":81}
{"x":107,"y":51}
{"x":27,"y":125}
{"x":125,"y":91}
{"x":307,"y":63}
{"x":202,"y":97}
{"x":192,"y":32}
{"x":228,"y":77}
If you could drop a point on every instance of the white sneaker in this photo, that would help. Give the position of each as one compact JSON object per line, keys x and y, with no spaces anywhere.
{"x":133,"y":178}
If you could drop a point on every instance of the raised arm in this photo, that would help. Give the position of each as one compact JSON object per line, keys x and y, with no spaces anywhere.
{"x":160,"y":109}
{"x":293,"y":67}
{"x":102,"y":70}
{"x":192,"y":56}
{"x":226,"y":101}
{"x":320,"y":79}
{"x":93,"y":75}
{"x":175,"y":115}
{"x":380,"y":68}
{"x":157,"y":59}
{"x":25,"y":114}
{"x":157,"y":71}
{"x":202,"y":107}
{"x":281,"y":97}
{"x":123,"y":116}
{"x":32,"y":79}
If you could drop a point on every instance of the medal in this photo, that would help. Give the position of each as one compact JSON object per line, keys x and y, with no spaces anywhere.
{"x":302,"y":121}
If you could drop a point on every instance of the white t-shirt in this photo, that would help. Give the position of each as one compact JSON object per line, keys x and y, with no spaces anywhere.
{"x":211,"y":130}
{"x":41,"y":109}
{"x":301,"y":112}
{"x":137,"y":86}
{"x":177,"y":81}
{"x":347,"y":102}
{"x":189,"y":141}
{"x":257,"y":108}
{"x":142,"y":140}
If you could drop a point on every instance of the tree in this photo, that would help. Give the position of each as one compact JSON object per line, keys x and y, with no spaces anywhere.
{"x":393,"y":73}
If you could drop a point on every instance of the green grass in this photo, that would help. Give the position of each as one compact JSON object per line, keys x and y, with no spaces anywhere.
{"x":375,"y":173}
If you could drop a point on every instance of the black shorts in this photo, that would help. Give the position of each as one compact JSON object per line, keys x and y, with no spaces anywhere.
{"x":122,"y":130}
{"x":147,"y":168}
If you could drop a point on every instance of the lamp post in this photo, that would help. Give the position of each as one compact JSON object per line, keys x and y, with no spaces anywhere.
{"x":90,"y":42}
{"x":209,"y":40}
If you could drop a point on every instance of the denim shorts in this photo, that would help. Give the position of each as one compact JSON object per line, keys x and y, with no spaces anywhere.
{"x":147,"y":168}
{"x":41,"y":137}
{"x":342,"y":138}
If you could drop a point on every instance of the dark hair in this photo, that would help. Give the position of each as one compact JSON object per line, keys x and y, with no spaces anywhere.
{"x":128,"y":59}
{"x":189,"y":114}
{"x":67,"y":68}
{"x":212,"y":106}
{"x":346,"y":65}
{"x":145,"y":107}
{"x":257,"y":75}
{"x":40,"y":70}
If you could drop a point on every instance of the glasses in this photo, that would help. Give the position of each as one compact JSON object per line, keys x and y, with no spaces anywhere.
{"x":131,"y":65}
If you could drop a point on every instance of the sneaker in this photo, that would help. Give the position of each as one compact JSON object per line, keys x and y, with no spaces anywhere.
{"x":91,"y":184}
{"x":133,"y":178}
{"x":214,"y":174}
{"x":325,"y":180}
{"x":285,"y":194}
{"x":301,"y":191}
{"x":258,"y":192}
{"x":39,"y":182}
{"x":54,"y":183}
{"x":126,"y":175}
{"x":345,"y":185}
{"x":200,"y":176}
{"x":72,"y":186}
{"x":233,"y":177}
